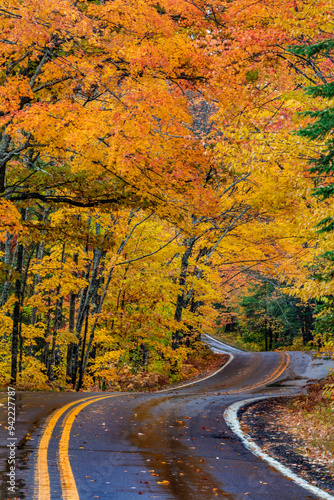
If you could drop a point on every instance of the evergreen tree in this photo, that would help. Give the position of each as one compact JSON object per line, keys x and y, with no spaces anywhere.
{"x":321,"y":129}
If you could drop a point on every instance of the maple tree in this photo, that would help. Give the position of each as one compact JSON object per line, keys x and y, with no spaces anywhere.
{"x":147,"y":165}
{"x":93,"y":108}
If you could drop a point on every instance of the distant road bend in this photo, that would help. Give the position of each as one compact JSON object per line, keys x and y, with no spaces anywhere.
{"x":168,"y":445}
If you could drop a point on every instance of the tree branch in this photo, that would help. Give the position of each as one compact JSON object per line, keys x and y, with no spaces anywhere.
{"x":148,"y":254}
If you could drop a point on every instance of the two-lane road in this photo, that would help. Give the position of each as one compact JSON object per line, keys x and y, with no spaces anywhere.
{"x":168,"y":445}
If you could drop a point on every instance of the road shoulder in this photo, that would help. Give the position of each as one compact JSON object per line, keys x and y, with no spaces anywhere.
{"x":257,"y":423}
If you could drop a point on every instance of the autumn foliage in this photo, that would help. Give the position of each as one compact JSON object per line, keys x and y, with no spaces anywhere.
{"x":148,"y":163}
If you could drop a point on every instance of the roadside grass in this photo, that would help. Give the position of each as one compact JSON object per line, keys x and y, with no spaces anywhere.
{"x":314,"y":414}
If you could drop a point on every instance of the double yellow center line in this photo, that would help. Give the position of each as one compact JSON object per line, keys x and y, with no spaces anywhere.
{"x":68,"y":486}
{"x":270,"y":378}
{"x":42,"y":479}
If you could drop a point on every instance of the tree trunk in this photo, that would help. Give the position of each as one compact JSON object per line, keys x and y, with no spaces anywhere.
{"x":81,"y":368}
{"x":265,"y":335}
{"x":270,"y":335}
{"x":71,"y":326}
{"x":24,"y":284}
{"x":58,"y":319}
{"x":47,"y":333}
{"x":4,"y":157}
{"x":37,"y":278}
{"x":7,"y":259}
{"x":16,"y":315}
{"x":180,"y":298}
{"x":56,"y":326}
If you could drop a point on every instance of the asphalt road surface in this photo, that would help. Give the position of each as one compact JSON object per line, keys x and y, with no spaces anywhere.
{"x":168,"y":445}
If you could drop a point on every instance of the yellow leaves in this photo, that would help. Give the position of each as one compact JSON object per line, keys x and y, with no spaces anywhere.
{"x":139,"y":104}
{"x":5,"y":362}
{"x":65,"y":337}
{"x":56,"y":274}
{"x":33,"y":375}
{"x":6,"y":325}
{"x":9,"y":304}
{"x":32,"y":332}
{"x":106,"y":366}
{"x":10,"y":219}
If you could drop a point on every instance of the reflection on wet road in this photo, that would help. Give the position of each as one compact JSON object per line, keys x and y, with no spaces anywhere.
{"x":172,"y":445}
{"x":168,"y":449}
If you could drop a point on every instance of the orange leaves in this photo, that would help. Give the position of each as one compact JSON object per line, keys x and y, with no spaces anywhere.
{"x":103,"y":93}
{"x":10,"y":219}
{"x":12,"y":93}
{"x":140,"y":113}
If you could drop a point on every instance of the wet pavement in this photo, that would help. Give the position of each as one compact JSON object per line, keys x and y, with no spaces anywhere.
{"x":168,"y":445}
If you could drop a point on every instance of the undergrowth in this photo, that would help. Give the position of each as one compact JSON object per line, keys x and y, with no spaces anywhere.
{"x":197,"y":364}
{"x":317,"y":407}
{"x":199,"y":361}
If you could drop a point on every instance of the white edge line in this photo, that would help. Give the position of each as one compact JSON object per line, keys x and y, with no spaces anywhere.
{"x":208,"y":376}
{"x":222,"y":343}
{"x":201,"y":379}
{"x":231,"y":418}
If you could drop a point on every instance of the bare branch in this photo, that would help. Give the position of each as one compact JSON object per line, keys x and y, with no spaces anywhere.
{"x":148,"y":254}
{"x":66,"y":199}
{"x":235,"y":183}
{"x":39,"y":67}
{"x":234,"y":221}
{"x":51,"y":84}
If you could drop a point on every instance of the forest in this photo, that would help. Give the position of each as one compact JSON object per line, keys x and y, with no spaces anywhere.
{"x":166,"y":170}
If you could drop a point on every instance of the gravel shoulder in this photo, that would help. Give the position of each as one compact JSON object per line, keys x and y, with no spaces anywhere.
{"x":288,"y":437}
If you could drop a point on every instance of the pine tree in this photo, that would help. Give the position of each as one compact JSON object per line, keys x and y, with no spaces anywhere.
{"x":321,"y":129}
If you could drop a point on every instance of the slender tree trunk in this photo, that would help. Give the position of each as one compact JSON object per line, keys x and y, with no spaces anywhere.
{"x":265,"y":335}
{"x":4,"y":157}
{"x":37,"y":278}
{"x":275,"y":339}
{"x":47,"y":334}
{"x":270,"y":335}
{"x":91,"y":291}
{"x":144,"y":355}
{"x":7,"y":262}
{"x":308,"y":323}
{"x":180,"y":302}
{"x":71,"y":327}
{"x":24,"y":284}
{"x":56,"y":326}
{"x":16,"y":315}
{"x":303,"y":332}
{"x":81,"y":368}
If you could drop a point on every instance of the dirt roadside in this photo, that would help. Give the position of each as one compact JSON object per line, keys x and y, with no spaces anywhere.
{"x":288,"y":436}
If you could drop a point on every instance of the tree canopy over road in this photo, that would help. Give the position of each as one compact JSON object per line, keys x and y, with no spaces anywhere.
{"x":165,"y":168}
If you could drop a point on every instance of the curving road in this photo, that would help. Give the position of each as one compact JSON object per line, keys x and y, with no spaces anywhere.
{"x":169,"y":445}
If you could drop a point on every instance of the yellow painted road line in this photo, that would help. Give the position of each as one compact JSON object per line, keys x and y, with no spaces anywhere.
{"x":42,"y":480}
{"x":270,"y":378}
{"x":69,"y":490}
{"x":68,"y":486}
